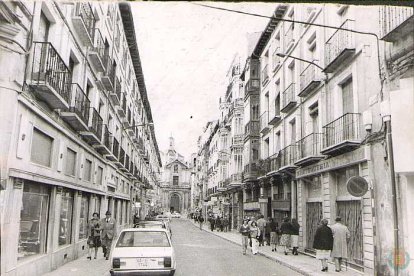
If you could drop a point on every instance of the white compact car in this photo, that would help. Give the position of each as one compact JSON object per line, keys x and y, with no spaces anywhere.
{"x":143,"y":251}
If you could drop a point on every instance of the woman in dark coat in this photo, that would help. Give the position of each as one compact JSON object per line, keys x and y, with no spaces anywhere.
{"x":295,"y":236}
{"x":286,"y":231}
{"x":323,"y":243}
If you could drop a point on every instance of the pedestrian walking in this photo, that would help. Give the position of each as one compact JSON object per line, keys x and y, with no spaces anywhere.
{"x":286,"y":230}
{"x":295,"y":236}
{"x":108,"y":233}
{"x":225,"y":224}
{"x":94,"y":235}
{"x":219,"y":224}
{"x":267,"y":231}
{"x":323,"y":243}
{"x":201,"y":220}
{"x":273,"y":234}
{"x":261,"y":223}
{"x":245,"y":231}
{"x":254,"y":234}
{"x":341,"y":236}
{"x":212,"y":224}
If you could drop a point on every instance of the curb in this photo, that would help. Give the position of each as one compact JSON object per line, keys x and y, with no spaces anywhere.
{"x":286,"y":264}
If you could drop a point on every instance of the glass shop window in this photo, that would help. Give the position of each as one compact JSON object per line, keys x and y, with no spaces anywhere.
{"x":33,"y":220}
{"x":83,"y":217}
{"x":65,"y":219}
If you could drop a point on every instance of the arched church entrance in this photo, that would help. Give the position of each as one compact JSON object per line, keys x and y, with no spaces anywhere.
{"x":175,"y":203}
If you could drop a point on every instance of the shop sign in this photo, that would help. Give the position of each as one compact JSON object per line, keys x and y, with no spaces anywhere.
{"x":137,"y":204}
{"x":344,"y":160}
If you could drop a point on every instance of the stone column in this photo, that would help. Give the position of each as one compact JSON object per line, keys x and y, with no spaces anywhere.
{"x":262,"y":198}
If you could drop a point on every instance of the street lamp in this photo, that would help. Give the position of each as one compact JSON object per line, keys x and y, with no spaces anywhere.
{"x":304,"y":60}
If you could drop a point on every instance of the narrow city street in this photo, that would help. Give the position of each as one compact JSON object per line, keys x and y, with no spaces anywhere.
{"x":201,"y":253}
{"x":198,"y":253}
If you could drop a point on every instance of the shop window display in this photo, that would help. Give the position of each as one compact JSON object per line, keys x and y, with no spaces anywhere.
{"x":33,"y":220}
{"x":65,"y":221}
{"x":83,"y":218}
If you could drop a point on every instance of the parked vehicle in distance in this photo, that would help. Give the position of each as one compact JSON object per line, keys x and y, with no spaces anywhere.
{"x":154,"y":224}
{"x":143,"y":251}
{"x":176,"y":215}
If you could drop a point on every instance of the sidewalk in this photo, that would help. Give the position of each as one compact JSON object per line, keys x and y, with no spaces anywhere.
{"x":302,"y":263}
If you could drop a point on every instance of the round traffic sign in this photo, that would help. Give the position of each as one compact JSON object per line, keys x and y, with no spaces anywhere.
{"x":357,"y":186}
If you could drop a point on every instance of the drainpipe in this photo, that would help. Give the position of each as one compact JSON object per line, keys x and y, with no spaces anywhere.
{"x":390,"y":153}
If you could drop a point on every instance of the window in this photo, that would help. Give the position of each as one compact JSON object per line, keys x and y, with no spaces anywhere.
{"x":292,"y":131}
{"x":277,"y":105}
{"x":97,"y":207}
{"x":266,"y":148}
{"x":41,"y":148}
{"x":65,"y":218}
{"x":70,"y":168}
{"x":313,"y":113}
{"x":277,"y":142}
{"x":143,"y":239}
{"x":99,"y":176}
{"x":175,"y":180}
{"x":33,"y":220}
{"x":347,"y":97}
{"x":83,"y":217}
{"x":175,"y":168}
{"x":87,"y":170}
{"x":44,"y":26}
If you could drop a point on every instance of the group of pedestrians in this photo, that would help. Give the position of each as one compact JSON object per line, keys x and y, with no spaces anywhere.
{"x":218,"y":223}
{"x":101,"y":232}
{"x":331,"y":242}
{"x":267,"y":232}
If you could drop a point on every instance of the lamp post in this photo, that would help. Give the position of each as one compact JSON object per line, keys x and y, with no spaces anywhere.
{"x":139,"y":125}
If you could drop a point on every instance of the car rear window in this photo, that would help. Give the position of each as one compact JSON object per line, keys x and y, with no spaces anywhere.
{"x":143,"y":239}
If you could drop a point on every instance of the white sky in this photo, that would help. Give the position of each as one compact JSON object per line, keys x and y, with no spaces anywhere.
{"x":185,"y":52}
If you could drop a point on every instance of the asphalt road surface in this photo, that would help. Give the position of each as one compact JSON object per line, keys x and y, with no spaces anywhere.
{"x":201,"y":253}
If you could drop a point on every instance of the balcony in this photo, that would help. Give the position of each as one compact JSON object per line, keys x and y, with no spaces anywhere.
{"x":342,"y":135}
{"x":396,"y":22}
{"x":250,"y":172}
{"x":104,"y":148}
{"x":289,"y":99}
{"x":276,"y":117}
{"x":77,"y":115}
{"x":289,"y":41}
{"x":264,"y":122}
{"x":309,"y":80}
{"x":274,"y":164}
{"x":97,"y":52}
{"x":288,"y":158}
{"x":252,"y":128}
{"x":237,"y":140}
{"x":108,"y":77}
{"x":50,"y":77}
{"x":122,"y":108}
{"x":339,"y":47}
{"x":265,"y":75}
{"x":84,"y":21}
{"x":94,"y":134}
{"x":115,"y":94}
{"x":309,"y":149}
{"x":115,"y":151}
{"x":125,"y":164}
{"x":252,"y":86}
{"x":236,"y":180}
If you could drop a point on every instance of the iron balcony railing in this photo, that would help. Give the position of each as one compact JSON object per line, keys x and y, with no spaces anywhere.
{"x":96,"y":123}
{"x":264,"y":120}
{"x":48,"y":68}
{"x":265,"y":74}
{"x":308,"y":75}
{"x":115,"y":148}
{"x":99,"y":46}
{"x":392,"y":17}
{"x":288,"y":155}
{"x":237,"y":139}
{"x":339,"y":41}
{"x":122,"y":156}
{"x":106,"y":137}
{"x":118,"y":88}
{"x":252,"y":84}
{"x":288,"y":39}
{"x":236,"y":178}
{"x":80,"y":103}
{"x":275,"y":162}
{"x":309,"y":145}
{"x":288,"y":96}
{"x":84,"y":11}
{"x":345,"y":128}
{"x":252,"y":128}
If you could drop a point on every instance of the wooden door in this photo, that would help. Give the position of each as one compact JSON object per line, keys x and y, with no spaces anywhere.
{"x":313,"y":218}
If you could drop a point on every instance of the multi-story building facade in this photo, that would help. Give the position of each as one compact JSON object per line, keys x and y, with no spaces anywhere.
{"x":175,"y":184}
{"x":397,"y":32}
{"x":77,"y":134}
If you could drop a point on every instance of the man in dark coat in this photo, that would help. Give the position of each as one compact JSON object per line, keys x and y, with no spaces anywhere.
{"x":323,"y":243}
{"x":109,"y":227}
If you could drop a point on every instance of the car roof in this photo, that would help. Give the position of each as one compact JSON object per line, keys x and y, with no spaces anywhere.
{"x":144,"y":230}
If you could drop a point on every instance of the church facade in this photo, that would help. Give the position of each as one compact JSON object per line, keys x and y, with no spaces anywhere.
{"x":175,"y":185}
